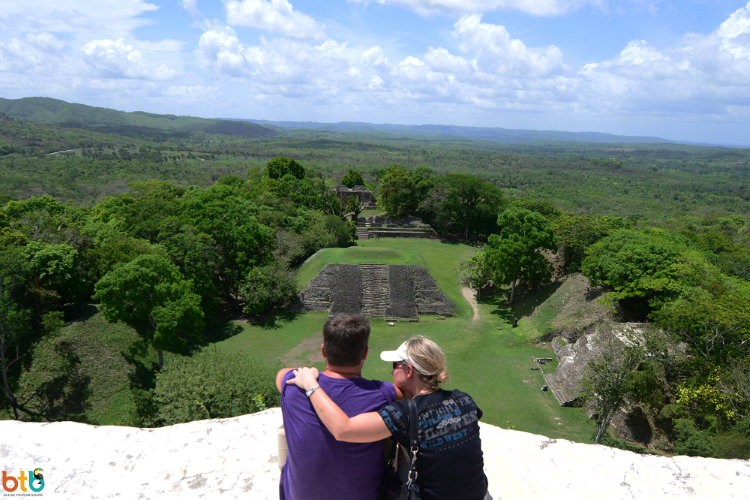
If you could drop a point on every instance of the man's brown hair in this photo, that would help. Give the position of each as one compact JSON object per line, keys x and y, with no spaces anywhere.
{"x":345,"y":339}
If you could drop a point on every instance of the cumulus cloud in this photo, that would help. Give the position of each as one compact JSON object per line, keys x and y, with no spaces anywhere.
{"x":29,"y":53}
{"x":491,"y":69}
{"x":117,"y":59}
{"x":533,"y":7}
{"x":703,"y":73}
{"x":275,"y":16}
{"x":497,"y":52}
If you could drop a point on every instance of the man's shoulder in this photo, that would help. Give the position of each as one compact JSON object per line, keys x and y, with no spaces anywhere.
{"x":369,"y":389}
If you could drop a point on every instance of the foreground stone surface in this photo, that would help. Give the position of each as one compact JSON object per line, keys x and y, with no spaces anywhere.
{"x":236,"y":458}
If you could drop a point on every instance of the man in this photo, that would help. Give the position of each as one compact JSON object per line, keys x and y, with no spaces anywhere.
{"x":318,"y":467}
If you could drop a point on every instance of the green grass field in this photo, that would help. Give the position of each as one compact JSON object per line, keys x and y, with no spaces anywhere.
{"x":492,"y":365}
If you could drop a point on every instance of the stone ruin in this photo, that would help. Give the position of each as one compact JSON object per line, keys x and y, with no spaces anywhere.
{"x":393,"y":227}
{"x":565,"y":383}
{"x":377,"y":291}
{"x":364,"y":196}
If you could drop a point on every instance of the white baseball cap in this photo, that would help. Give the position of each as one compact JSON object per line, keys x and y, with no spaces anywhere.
{"x":400,"y":354}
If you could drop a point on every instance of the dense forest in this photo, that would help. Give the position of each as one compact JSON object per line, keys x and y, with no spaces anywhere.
{"x":167,"y":231}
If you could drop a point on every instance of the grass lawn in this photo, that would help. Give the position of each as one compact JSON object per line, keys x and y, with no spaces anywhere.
{"x":493,"y":366}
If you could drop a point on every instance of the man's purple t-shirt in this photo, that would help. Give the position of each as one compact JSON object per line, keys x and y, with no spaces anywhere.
{"x":318,"y":467}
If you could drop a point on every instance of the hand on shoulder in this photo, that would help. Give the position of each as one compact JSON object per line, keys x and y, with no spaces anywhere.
{"x":304,"y":378}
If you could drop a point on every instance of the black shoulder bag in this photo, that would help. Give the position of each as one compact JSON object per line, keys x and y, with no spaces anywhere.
{"x":391,"y":487}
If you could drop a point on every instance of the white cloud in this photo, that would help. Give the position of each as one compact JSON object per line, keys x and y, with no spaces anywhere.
{"x":534,"y":7}
{"x":113,"y":18}
{"x":498,"y":53}
{"x":275,"y":16}
{"x":117,"y":59}
{"x":443,"y":61}
{"x":31,"y":53}
{"x":190,"y":6}
{"x":702,"y":74}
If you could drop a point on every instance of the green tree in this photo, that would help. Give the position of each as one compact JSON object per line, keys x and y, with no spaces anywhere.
{"x":543,"y":207}
{"x":578,"y":232}
{"x":632,"y":263}
{"x":516,"y":253}
{"x":279,"y":167}
{"x":230,"y":220}
{"x":16,"y":333}
{"x":463,"y":204}
{"x":150,"y":295}
{"x":397,"y":192}
{"x":268,"y":287}
{"x":714,"y":328}
{"x":352,"y":178}
{"x":478,"y":273}
{"x":213,"y":385}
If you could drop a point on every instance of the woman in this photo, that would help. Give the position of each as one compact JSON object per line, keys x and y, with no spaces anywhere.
{"x":449,"y":461}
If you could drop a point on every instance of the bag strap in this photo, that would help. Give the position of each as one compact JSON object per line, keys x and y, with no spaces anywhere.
{"x":413,"y":442}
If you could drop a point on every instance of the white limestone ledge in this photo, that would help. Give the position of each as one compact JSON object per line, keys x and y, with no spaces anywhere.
{"x":236,"y":458}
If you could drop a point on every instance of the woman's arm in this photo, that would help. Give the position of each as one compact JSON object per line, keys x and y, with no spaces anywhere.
{"x":363,"y":428}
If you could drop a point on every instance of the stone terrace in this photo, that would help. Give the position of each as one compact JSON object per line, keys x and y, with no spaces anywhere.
{"x":346,"y":290}
{"x":428,"y":297}
{"x":375,"y":290}
{"x":401,"y":280}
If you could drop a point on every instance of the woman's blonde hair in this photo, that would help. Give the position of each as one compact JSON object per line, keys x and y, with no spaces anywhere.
{"x":430,"y":358}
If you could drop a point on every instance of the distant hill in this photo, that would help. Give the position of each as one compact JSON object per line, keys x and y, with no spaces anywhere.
{"x":61,"y":113}
{"x":468,"y":133}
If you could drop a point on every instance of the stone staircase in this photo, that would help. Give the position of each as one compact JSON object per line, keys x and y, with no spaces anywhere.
{"x":375,"y":290}
{"x":363,"y":233}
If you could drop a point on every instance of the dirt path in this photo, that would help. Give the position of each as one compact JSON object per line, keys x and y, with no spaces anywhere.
{"x":307,"y":352}
{"x":469,"y":296}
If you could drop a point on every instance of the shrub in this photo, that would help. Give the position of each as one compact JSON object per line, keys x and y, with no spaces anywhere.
{"x":691,"y":441}
{"x":213,"y":385}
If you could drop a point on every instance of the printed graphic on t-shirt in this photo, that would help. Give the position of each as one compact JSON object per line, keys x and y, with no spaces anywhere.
{"x":441,"y":425}
{"x":447,"y":424}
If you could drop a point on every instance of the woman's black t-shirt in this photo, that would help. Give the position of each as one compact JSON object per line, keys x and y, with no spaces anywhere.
{"x":449,"y":463}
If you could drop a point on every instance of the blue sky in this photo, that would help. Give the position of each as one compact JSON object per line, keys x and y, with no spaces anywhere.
{"x":678,"y":70}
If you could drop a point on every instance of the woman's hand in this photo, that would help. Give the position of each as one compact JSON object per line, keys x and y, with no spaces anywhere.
{"x":304,"y":378}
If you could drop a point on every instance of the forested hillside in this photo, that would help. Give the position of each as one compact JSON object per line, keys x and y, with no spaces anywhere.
{"x":634,"y":180}
{"x":61,"y":113}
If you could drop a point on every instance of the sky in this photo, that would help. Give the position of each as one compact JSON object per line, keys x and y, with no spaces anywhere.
{"x":679,"y":70}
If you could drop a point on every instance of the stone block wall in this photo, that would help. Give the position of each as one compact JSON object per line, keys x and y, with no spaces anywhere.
{"x":401,"y":282}
{"x":346,"y":290}
{"x":427,"y":296}
{"x":403,"y":291}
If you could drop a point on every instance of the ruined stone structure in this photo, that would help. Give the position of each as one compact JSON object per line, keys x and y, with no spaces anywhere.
{"x":565,"y":381}
{"x":365,"y":197}
{"x":565,"y":384}
{"x":573,"y":358}
{"x":377,"y":291}
{"x":393,"y":227}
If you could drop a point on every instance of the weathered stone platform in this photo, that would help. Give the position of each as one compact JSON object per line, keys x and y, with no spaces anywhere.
{"x":377,"y":291}
{"x":236,"y":458}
